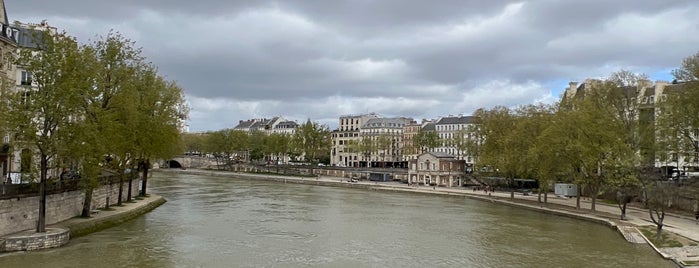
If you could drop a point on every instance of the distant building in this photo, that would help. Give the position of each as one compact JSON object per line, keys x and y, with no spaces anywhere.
{"x":387,"y":137}
{"x":453,"y":132}
{"x":439,"y":169}
{"x":410,"y":148}
{"x":268,"y":126}
{"x":643,"y":101}
{"x":344,"y":137}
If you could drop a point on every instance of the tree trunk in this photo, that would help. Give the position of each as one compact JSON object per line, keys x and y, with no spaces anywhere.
{"x":512,"y":188}
{"x":594,"y":193}
{"x":128,"y":194}
{"x":538,"y":197}
{"x":109,"y":191}
{"x":546,"y":197}
{"x":577,"y":198}
{"x":121,"y":187}
{"x":87,"y":204}
{"x":41,"y":222}
{"x":144,"y":182}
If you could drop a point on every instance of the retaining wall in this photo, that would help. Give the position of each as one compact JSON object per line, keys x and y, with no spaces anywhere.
{"x":22,"y":213}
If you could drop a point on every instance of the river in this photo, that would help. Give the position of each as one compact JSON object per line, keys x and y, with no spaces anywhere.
{"x":225,"y":222}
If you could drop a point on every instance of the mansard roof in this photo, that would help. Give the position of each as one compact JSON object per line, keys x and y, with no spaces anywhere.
{"x":452,"y":120}
{"x":386,"y":122}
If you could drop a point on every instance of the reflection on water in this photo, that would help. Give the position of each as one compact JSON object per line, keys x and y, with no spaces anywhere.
{"x":223,"y":222}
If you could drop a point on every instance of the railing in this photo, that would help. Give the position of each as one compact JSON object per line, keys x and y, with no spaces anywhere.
{"x":9,"y":191}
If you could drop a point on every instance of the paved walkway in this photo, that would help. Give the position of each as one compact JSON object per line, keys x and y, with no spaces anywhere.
{"x":106,"y":218}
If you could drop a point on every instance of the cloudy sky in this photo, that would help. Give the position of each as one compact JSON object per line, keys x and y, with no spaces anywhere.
{"x":423,"y":59}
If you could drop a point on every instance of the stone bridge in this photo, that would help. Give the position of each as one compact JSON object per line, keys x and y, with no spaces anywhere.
{"x":187,"y":161}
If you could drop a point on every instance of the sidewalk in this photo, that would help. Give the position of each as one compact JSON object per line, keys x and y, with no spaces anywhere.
{"x":60,"y":233}
{"x":106,"y":218}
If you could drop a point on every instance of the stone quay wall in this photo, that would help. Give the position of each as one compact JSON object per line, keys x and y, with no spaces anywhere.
{"x":52,"y":238}
{"x":22,"y":213}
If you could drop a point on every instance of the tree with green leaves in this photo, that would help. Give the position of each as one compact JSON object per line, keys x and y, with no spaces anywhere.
{"x":194,"y":143}
{"x":312,"y":140}
{"x":383,"y":146}
{"x":501,"y":150}
{"x":41,"y":115}
{"x":162,"y":111}
{"x":427,"y":140}
{"x":598,"y":140}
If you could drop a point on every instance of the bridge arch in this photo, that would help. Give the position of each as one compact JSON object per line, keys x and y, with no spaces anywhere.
{"x":174,"y":164}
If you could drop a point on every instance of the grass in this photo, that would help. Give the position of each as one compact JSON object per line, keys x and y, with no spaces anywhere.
{"x":611,"y":202}
{"x":690,"y":263}
{"x":666,"y":240}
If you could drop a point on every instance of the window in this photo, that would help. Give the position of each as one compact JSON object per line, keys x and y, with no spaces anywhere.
{"x":26,"y":79}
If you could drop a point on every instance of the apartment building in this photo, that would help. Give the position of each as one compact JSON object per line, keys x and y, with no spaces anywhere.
{"x":8,"y":50}
{"x":453,"y":133}
{"x":268,"y":126}
{"x":410,"y":148}
{"x":386,"y":135}
{"x":342,"y":154}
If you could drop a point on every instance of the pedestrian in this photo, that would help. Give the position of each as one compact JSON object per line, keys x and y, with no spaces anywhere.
{"x":696,"y":216}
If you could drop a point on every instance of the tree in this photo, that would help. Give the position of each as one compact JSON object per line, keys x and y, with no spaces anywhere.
{"x":117,"y":70}
{"x":313,"y":140}
{"x":42,"y":115}
{"x":162,"y":112}
{"x":194,"y":143}
{"x":427,"y":140}
{"x":501,"y":150}
{"x":598,"y":148}
{"x":383,"y":145}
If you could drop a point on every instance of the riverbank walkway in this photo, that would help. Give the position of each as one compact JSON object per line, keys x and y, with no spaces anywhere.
{"x":105,"y":218}
{"x":59,"y":233}
{"x":682,"y":225}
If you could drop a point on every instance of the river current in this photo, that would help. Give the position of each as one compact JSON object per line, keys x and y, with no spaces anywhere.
{"x":227,"y":222}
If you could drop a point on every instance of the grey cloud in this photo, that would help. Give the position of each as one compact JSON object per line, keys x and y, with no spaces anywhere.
{"x":320,"y":59}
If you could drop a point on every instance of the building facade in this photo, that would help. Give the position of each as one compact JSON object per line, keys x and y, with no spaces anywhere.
{"x":8,"y":52}
{"x":410,"y":148}
{"x":437,"y":169}
{"x":453,"y":134}
{"x":276,"y":125}
{"x":386,"y":137}
{"x":345,"y":140}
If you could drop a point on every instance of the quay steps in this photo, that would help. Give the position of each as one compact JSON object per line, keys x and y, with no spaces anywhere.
{"x":632,"y":234}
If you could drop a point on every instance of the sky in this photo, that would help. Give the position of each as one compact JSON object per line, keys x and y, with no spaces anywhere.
{"x":238,"y":60}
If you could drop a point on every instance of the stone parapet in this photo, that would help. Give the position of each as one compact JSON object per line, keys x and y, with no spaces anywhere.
{"x":30,"y":240}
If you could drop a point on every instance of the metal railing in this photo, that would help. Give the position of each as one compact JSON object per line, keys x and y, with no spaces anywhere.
{"x":53,"y":186}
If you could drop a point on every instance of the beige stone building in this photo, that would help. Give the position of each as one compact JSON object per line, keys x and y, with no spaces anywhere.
{"x":347,"y":133}
{"x":8,"y":52}
{"x":453,"y":130}
{"x":437,"y":169}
